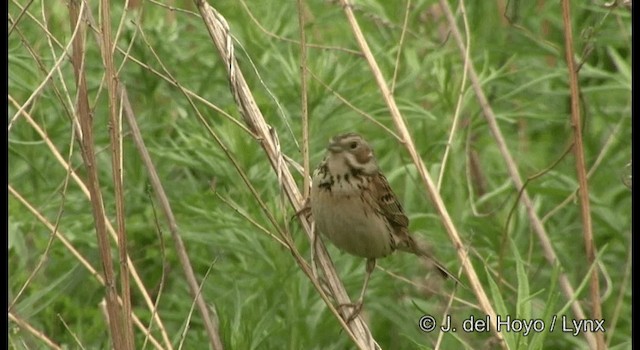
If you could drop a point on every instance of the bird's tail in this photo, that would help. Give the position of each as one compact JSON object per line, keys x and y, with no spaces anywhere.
{"x":419,"y":248}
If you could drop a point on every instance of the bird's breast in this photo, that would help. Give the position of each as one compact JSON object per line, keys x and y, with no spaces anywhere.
{"x":346,"y":214}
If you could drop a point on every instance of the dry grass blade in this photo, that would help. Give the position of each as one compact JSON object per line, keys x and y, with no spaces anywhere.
{"x":29,"y":328}
{"x":219,"y":31}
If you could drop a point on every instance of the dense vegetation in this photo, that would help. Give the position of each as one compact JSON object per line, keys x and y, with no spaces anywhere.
{"x":260,"y":295}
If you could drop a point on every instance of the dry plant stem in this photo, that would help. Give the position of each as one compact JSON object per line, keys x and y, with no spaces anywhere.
{"x":158,"y":189}
{"x":585,"y":209}
{"x":251,"y":220}
{"x":90,"y":162}
{"x":36,"y":333}
{"x":163,"y":272}
{"x":303,"y":100}
{"x":512,"y":169}
{"x":87,"y":15}
{"x":57,"y":234}
{"x":190,"y":93}
{"x":219,"y":32}
{"x":84,"y":190}
{"x":476,"y":286}
{"x":115,"y":128}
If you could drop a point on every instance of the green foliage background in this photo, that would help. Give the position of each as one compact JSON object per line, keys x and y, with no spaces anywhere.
{"x":263,"y":300}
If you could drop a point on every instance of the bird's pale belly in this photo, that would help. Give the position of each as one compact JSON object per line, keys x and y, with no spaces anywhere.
{"x":351,"y":226}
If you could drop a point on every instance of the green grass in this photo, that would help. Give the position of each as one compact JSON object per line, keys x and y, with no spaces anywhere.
{"x":262,"y":298}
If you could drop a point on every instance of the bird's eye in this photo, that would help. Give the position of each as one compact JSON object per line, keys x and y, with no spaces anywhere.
{"x":353,"y":145}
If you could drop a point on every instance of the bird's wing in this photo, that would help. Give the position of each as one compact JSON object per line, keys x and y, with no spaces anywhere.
{"x":388,"y":203}
{"x":392,"y":210}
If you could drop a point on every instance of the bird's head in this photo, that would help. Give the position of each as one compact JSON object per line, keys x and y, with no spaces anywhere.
{"x":353,"y":151}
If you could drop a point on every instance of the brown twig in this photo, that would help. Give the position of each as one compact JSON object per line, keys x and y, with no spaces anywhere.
{"x":115,"y":135}
{"x":76,"y":7}
{"x":583,"y":194}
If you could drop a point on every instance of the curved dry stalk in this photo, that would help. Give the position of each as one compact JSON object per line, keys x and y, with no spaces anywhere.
{"x":219,"y":32}
{"x":476,"y":286}
{"x":36,"y":333}
{"x":83,"y":261}
{"x":400,"y":43}
{"x":512,"y":169}
{"x":23,"y":10}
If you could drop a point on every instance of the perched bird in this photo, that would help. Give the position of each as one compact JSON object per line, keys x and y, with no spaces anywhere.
{"x":354,"y":207}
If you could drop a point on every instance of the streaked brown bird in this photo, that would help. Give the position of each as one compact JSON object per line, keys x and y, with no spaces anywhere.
{"x":354,"y":207}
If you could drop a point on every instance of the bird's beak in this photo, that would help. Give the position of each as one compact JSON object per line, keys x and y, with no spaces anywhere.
{"x":334,"y":146}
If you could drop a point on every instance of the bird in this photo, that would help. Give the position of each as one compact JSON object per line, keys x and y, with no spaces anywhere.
{"x":354,"y":206}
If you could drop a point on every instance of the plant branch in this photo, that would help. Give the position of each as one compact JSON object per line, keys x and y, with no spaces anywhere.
{"x":115,"y":134}
{"x":583,"y":194}
{"x":76,"y":7}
